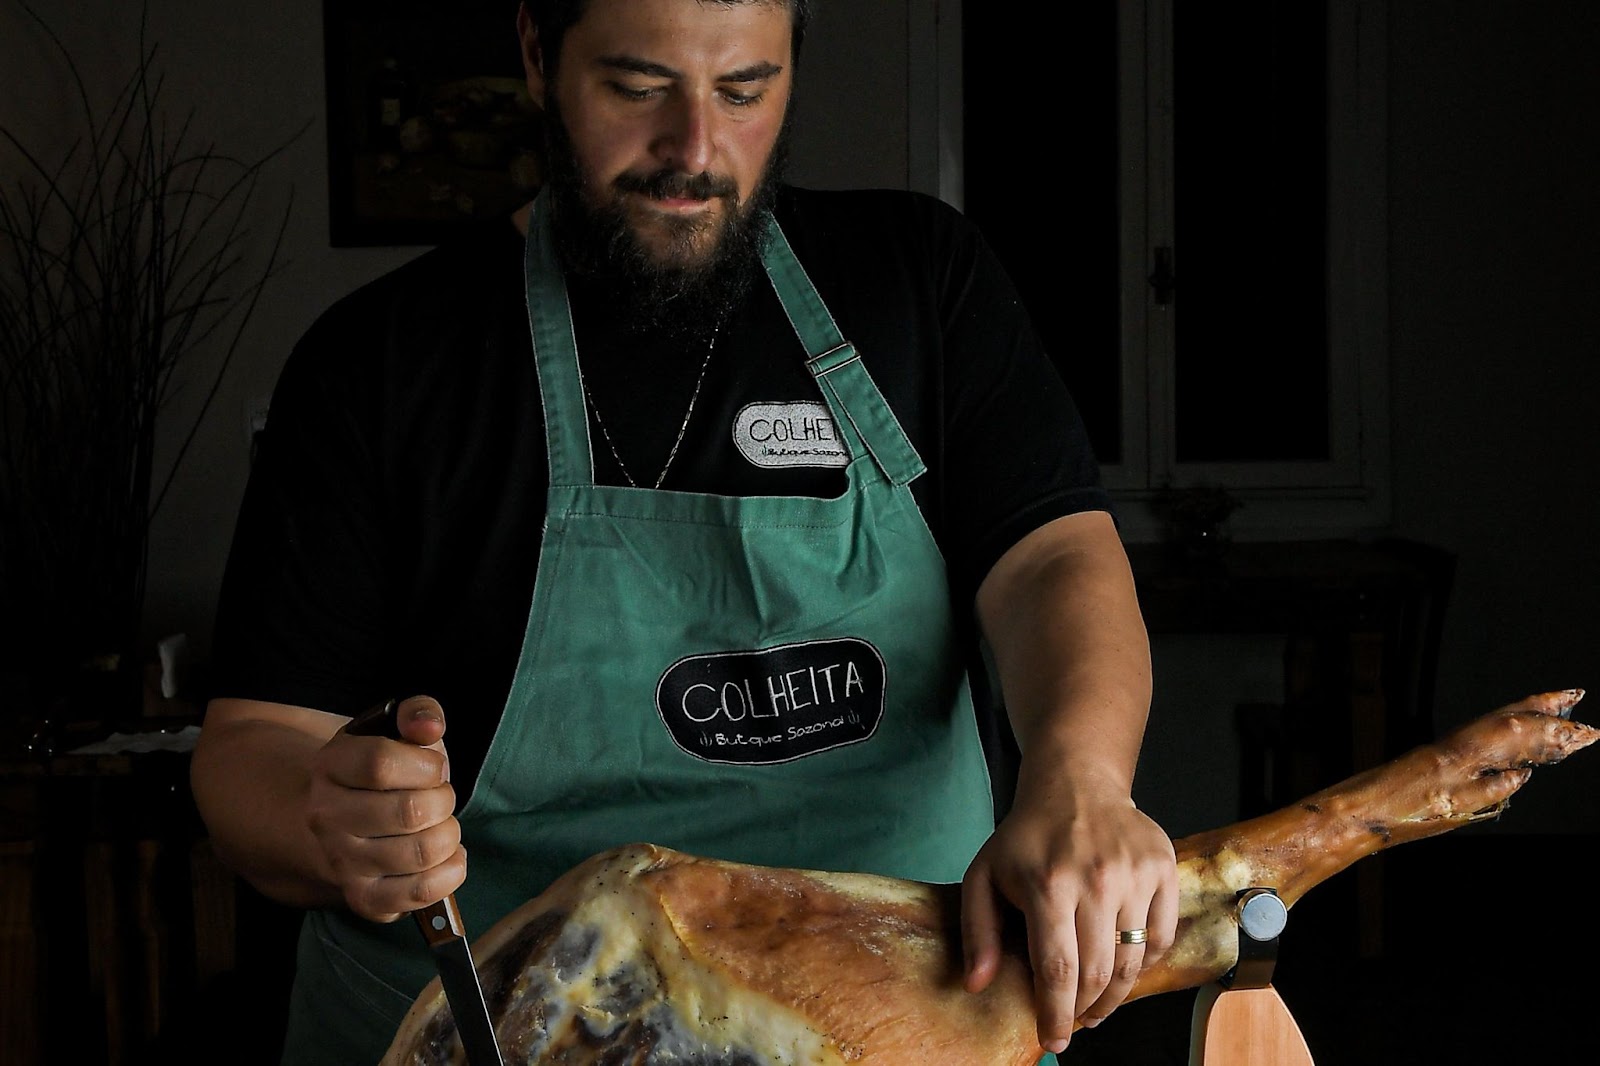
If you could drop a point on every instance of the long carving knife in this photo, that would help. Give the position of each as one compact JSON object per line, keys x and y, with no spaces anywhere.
{"x":444,"y":932}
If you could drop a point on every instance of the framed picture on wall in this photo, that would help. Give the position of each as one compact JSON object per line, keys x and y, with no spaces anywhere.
{"x":429,"y":121}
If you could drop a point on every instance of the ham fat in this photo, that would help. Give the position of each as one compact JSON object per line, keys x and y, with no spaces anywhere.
{"x":644,"y":955}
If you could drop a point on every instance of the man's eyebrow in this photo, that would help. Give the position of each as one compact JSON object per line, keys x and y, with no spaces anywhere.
{"x":754,"y":72}
{"x":634,"y":65}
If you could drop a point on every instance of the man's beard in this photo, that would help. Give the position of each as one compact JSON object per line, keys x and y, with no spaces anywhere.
{"x":678,"y":296}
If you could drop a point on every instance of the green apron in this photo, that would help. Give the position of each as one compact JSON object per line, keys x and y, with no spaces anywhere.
{"x":769,"y":679}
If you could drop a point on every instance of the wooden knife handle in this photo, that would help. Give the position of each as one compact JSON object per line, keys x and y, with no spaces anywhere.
{"x":381,"y":720}
{"x":440,"y":922}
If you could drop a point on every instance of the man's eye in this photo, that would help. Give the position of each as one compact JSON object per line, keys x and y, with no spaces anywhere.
{"x":739,"y":99}
{"x":633,"y":92}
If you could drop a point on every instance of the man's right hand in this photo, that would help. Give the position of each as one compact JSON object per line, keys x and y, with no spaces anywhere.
{"x":382,"y":813}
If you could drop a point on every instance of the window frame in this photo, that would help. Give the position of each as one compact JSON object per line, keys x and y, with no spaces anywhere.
{"x":1343,"y":496}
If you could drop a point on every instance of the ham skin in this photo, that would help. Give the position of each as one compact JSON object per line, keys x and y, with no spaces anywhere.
{"x":645,"y":955}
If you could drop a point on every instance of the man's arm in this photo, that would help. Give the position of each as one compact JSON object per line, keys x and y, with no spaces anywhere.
{"x":1074,"y":854}
{"x":314,"y":817}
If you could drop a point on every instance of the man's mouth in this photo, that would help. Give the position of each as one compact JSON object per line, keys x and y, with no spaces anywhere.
{"x":677,"y":192}
{"x":685,"y":205}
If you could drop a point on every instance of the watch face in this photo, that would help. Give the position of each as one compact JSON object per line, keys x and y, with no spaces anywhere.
{"x":1262,"y":915}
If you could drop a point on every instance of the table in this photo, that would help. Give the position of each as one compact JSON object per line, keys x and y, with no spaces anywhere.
{"x":114,"y":912}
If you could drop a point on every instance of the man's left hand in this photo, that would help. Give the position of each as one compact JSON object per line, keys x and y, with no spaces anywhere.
{"x":1080,"y":862}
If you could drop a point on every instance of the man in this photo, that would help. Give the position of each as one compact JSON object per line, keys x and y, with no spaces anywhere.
{"x":676,"y":501}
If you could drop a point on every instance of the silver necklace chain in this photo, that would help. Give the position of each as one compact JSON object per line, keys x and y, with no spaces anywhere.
{"x":682,"y":428}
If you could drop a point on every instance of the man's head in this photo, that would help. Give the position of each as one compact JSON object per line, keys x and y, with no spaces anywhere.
{"x":667,"y":123}
{"x":555,"y":17}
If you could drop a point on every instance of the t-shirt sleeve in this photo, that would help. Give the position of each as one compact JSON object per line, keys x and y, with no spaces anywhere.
{"x":1015,"y":452}
{"x":300,"y":612}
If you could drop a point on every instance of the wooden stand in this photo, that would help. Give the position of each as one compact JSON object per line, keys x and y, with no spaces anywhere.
{"x":1245,"y":1027}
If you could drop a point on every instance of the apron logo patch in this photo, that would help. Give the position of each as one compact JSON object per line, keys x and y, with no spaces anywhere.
{"x":789,"y":434}
{"x":773,"y":706}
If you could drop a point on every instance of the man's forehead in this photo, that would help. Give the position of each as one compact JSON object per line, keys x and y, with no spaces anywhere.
{"x":687,"y":24}
{"x":585,"y":7}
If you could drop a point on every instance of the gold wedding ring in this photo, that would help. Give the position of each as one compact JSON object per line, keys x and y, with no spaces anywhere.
{"x":1132,"y":936}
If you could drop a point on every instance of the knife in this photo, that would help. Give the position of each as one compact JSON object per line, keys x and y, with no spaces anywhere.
{"x":444,"y":931}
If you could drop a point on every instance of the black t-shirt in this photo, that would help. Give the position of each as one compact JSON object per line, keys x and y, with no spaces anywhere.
{"x":390,"y":530}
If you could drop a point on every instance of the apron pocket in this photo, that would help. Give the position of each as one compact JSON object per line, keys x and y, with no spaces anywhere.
{"x":340,"y":1010}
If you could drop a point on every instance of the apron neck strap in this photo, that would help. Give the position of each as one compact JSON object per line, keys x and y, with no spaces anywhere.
{"x":555,"y":355}
{"x":851,"y":393}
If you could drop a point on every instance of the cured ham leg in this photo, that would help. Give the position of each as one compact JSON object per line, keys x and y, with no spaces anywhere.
{"x":644,"y":955}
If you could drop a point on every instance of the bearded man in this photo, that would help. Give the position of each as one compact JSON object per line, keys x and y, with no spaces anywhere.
{"x":687,"y":496}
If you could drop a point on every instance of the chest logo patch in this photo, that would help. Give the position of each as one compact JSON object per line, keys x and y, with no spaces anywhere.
{"x":773,"y":706}
{"x":789,"y":434}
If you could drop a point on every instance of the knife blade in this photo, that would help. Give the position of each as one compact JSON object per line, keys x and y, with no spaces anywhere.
{"x":444,"y":931}
{"x":442,"y":927}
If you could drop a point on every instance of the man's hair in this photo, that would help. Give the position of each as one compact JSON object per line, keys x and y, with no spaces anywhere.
{"x":555,"y":17}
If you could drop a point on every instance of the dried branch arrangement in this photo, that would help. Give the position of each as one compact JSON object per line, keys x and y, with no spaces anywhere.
{"x":128,"y":271}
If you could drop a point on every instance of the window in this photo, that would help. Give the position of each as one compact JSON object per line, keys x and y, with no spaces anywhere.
{"x":1190,"y":199}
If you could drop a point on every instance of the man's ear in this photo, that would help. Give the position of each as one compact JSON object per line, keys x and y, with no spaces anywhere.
{"x":532,"y":55}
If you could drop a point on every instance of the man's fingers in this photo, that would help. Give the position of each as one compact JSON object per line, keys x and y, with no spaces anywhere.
{"x":383,"y":899}
{"x":421,"y":720}
{"x":1058,"y":968}
{"x":980,"y":928}
{"x":1163,"y":920}
{"x":409,"y":853}
{"x":382,"y":810}
{"x":380,"y":764}
{"x":365,"y":813}
{"x":1127,"y":960}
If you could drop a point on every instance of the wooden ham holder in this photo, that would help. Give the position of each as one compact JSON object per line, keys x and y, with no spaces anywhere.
{"x":1239,"y":1019}
{"x":1245,"y":1027}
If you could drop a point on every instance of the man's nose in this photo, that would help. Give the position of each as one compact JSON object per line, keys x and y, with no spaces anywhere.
{"x":688,"y":143}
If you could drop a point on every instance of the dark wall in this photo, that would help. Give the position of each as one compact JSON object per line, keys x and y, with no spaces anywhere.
{"x":1494,"y":327}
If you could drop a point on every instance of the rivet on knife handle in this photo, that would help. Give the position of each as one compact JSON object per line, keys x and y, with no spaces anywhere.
{"x":441,"y":921}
